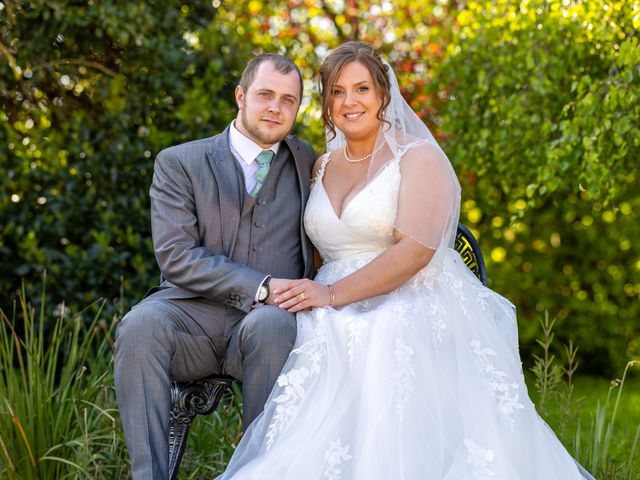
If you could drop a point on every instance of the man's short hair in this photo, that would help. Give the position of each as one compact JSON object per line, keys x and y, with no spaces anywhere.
{"x":280,"y":63}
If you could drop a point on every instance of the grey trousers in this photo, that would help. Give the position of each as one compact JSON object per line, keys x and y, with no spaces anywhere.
{"x":161,"y":339}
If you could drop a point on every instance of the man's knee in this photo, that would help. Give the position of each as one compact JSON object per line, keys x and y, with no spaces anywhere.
{"x":269,"y":325}
{"x":144,"y":327}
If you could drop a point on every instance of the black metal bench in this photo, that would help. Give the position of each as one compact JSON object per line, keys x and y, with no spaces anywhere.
{"x":201,"y":397}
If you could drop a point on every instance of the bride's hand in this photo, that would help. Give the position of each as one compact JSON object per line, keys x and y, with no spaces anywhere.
{"x":298,"y":295}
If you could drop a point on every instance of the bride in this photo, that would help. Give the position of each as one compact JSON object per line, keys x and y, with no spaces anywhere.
{"x":405,"y":365}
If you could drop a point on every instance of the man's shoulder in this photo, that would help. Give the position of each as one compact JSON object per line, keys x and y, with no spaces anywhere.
{"x":191,"y":149}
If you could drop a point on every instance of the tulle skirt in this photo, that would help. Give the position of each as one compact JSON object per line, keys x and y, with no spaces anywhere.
{"x":422,"y":383}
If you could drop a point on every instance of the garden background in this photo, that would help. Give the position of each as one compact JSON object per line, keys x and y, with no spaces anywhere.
{"x":537,"y":104}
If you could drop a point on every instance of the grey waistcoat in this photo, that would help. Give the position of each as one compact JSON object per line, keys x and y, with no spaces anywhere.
{"x":269,"y":231}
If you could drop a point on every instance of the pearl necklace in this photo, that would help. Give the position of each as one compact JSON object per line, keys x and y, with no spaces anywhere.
{"x":357,"y":160}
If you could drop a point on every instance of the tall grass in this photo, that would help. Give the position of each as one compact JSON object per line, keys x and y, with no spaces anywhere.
{"x":55,"y":392}
{"x":591,"y":448}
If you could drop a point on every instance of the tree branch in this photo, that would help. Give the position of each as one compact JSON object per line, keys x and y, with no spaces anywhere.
{"x":11,"y":59}
{"x":11,"y":11}
{"x":77,"y":61}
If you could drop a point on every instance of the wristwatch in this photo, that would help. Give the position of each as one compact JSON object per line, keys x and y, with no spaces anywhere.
{"x":263,"y":292}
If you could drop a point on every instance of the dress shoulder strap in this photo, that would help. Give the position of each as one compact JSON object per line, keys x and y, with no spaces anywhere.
{"x":324,"y":160}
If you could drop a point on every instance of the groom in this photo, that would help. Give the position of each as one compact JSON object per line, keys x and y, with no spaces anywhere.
{"x":226,"y":218}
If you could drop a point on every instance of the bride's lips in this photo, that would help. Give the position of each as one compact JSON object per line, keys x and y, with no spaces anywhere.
{"x":353,"y":115}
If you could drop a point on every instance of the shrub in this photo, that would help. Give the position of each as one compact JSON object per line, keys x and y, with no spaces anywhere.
{"x":542,"y":126}
{"x":90,"y":94}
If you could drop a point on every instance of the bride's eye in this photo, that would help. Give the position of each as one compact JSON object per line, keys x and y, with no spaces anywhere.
{"x":337,"y":92}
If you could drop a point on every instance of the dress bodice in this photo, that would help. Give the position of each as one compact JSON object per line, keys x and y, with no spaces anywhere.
{"x":366,"y":222}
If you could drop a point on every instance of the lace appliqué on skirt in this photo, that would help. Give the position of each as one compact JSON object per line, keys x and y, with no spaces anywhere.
{"x":334,"y":456}
{"x":293,"y":382}
{"x":505,"y":392}
{"x":479,"y":459}
{"x":404,"y":374}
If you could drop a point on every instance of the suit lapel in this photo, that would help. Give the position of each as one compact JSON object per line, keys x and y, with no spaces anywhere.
{"x":303,"y":183}
{"x":225,"y":174}
{"x":303,"y":175}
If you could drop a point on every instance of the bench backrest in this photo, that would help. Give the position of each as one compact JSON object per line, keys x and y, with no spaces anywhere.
{"x":467,"y":246}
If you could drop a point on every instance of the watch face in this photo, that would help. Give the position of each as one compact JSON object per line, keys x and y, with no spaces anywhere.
{"x":264,"y":293}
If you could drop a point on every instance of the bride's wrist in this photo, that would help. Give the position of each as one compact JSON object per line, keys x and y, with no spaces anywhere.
{"x":332,"y":295}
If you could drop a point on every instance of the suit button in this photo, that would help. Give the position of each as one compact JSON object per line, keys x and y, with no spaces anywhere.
{"x":259,"y":225}
{"x":261,"y":201}
{"x":256,"y":248}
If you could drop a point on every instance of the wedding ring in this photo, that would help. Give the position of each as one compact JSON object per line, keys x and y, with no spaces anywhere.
{"x":301,"y":295}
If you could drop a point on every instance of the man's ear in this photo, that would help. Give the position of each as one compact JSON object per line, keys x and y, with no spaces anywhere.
{"x":240,"y":97}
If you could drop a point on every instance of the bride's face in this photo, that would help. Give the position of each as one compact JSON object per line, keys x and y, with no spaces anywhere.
{"x":355,"y":103}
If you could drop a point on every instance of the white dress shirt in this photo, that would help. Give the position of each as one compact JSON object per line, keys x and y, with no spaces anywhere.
{"x":246,"y":150}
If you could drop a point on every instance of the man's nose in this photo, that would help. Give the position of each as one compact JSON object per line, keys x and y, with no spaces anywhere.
{"x":274,"y":105}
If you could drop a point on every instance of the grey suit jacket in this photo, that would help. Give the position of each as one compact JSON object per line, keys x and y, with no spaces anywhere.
{"x":196,"y":202}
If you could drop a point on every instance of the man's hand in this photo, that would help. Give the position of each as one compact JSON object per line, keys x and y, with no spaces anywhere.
{"x":275,"y":284}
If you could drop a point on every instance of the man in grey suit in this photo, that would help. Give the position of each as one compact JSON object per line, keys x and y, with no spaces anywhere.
{"x":226,"y":217}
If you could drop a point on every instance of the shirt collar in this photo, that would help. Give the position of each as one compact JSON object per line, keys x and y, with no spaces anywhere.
{"x":247,"y":149}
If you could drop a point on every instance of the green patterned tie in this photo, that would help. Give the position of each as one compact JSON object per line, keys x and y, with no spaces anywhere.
{"x":264,"y":161}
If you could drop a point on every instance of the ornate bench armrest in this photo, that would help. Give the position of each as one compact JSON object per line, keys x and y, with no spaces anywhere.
{"x":188,"y":399}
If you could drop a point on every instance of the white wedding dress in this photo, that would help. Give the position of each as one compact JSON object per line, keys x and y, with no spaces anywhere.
{"x":424,"y":383}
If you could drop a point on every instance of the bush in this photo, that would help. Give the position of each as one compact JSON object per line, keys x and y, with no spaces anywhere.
{"x":90,"y":94}
{"x":542,"y":125}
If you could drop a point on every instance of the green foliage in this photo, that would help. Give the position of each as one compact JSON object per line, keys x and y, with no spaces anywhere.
{"x":594,"y":448}
{"x":89,"y":94}
{"x":547,"y":371}
{"x":542,"y":126}
{"x":54,"y":392}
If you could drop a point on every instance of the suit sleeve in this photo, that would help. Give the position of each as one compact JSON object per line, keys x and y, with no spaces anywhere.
{"x":182,"y":259}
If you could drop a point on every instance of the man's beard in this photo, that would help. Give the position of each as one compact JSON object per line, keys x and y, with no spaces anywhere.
{"x":257,"y":134}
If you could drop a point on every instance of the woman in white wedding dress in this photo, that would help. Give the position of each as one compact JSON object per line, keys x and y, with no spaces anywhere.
{"x":405,"y":366}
